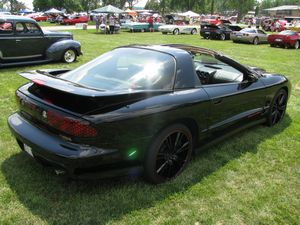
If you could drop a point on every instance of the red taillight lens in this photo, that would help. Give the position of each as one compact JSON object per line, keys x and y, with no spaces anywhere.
{"x":70,"y":126}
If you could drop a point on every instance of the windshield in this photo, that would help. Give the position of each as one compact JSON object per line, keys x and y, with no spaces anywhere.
{"x":287,"y":32}
{"x":126,"y":68}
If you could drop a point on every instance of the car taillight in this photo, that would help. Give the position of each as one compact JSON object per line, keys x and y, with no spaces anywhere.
{"x":71,"y":126}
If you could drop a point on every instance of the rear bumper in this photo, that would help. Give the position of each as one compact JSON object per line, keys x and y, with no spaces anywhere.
{"x":76,"y":160}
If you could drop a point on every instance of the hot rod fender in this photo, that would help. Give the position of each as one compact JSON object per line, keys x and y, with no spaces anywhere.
{"x":55,"y":51}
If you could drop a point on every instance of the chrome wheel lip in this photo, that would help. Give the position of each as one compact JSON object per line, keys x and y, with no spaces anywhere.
{"x":296,"y":44}
{"x":173,"y":154}
{"x":69,"y":56}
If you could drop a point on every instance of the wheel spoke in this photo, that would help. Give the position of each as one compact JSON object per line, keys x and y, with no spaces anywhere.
{"x":182,"y":148}
{"x":162,"y":166}
{"x":178,"y":139}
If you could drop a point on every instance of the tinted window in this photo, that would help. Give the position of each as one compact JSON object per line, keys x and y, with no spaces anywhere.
{"x":213,"y":71}
{"x":261,"y":32}
{"x":126,"y":68}
{"x":6,"y":28}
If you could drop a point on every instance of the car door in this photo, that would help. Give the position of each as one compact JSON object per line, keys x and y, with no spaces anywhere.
{"x":233,"y":99}
{"x":263,"y":37}
{"x":7,"y":41}
{"x":30,"y":40}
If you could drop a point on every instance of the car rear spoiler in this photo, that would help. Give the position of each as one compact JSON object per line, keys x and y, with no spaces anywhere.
{"x":45,"y":78}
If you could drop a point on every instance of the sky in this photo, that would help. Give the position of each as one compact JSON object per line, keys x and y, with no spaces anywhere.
{"x":28,"y":3}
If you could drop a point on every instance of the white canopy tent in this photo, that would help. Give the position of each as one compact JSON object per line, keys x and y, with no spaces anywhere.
{"x":189,"y":14}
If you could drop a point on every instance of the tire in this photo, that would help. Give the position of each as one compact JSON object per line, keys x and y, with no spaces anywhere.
{"x":296,"y":45}
{"x":164,"y":33}
{"x":169,"y":154}
{"x":69,"y":56}
{"x":194,"y":31}
{"x":176,"y":31}
{"x":272,"y":45}
{"x":256,"y":41}
{"x":222,"y":37}
{"x":277,"y":108}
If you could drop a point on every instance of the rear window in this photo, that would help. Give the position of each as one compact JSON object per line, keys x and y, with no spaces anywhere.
{"x":249,"y":30}
{"x":126,"y":69}
{"x":6,"y":28}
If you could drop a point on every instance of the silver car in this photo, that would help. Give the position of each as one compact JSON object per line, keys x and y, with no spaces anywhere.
{"x":249,"y":35}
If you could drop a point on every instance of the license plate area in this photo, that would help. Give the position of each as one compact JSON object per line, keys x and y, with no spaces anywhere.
{"x":278,"y":39}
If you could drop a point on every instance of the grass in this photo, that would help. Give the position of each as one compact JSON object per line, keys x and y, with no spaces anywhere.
{"x":253,"y":178}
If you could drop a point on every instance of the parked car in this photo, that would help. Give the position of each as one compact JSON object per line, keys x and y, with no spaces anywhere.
{"x":179,"y":29}
{"x":23,"y":42}
{"x":287,"y":38}
{"x":141,"y":108}
{"x":221,"y":32}
{"x":39,"y":17}
{"x":72,"y":20}
{"x":249,"y":35}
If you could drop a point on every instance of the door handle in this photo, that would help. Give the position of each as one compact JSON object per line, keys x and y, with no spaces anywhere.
{"x":217,"y":101}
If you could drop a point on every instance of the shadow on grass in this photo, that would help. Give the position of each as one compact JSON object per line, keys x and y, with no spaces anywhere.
{"x":61,"y":201}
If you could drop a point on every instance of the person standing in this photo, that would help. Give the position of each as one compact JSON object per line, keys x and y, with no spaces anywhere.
{"x":111,"y":24}
{"x":150,"y":21}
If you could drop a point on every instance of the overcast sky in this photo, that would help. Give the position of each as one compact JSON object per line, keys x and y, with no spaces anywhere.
{"x":28,"y":3}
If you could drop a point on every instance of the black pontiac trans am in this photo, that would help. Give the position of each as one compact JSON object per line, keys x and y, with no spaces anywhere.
{"x":141,"y":109}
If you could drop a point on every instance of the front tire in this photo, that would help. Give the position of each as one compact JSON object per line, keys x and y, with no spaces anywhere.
{"x":69,"y":56}
{"x":256,"y":41}
{"x":277,"y":108}
{"x":194,"y":31}
{"x":222,"y":37}
{"x":169,"y":154}
{"x":176,"y":31}
{"x":296,"y":45}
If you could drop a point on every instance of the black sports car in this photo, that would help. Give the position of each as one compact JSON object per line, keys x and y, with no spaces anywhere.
{"x":221,"y":32}
{"x":141,"y":108}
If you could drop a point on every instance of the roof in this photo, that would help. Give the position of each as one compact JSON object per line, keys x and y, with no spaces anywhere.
{"x":284,"y":7}
{"x":16,"y":18}
{"x":176,"y":49}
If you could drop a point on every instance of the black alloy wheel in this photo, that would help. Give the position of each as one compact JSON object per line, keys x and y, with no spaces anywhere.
{"x":277,"y":108}
{"x":169,"y":154}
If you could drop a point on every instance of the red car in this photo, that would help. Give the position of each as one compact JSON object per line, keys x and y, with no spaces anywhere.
{"x":38,"y":17}
{"x":75,"y":19}
{"x":287,"y":38}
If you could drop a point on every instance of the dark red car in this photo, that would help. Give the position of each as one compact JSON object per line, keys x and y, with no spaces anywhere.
{"x":287,"y":38}
{"x":74,"y":19}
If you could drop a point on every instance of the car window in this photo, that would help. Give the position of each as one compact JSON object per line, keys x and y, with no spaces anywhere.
{"x":261,"y":32}
{"x":213,"y":71}
{"x":32,"y":28}
{"x":6,"y":28}
{"x":126,"y":69}
{"x":20,"y":28}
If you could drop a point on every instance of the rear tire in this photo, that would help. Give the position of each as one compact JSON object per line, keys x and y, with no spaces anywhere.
{"x":272,"y":45}
{"x":69,"y":56}
{"x":222,"y":37}
{"x":194,"y":31}
{"x":169,"y":154}
{"x":296,"y":45}
{"x":176,"y":31}
{"x":256,"y":41}
{"x":277,"y":108}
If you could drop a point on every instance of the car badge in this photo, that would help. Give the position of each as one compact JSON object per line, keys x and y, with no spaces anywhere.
{"x":44,"y":114}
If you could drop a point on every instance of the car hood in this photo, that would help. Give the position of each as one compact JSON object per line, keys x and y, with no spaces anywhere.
{"x":57,"y":34}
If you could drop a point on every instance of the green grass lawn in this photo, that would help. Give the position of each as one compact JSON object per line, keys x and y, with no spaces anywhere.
{"x":253,"y":178}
